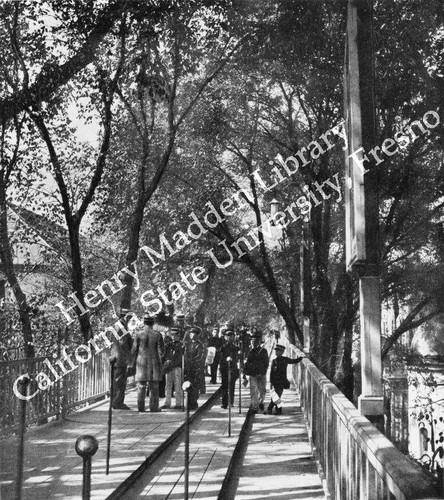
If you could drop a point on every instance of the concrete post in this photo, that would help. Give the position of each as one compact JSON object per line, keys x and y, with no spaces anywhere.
{"x":362,"y":205}
{"x":371,"y":400}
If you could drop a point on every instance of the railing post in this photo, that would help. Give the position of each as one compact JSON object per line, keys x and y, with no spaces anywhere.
{"x":183,"y":376}
{"x":186,"y":389}
{"x":23,"y":385}
{"x":240,"y":382}
{"x":86,"y":446}
{"x":440,"y":472}
{"x":229,"y":361}
{"x":110,"y":412}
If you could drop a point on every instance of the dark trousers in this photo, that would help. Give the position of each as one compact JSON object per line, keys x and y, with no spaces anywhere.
{"x":154,"y":395}
{"x":119,"y":386}
{"x":279,"y":390}
{"x":225,"y":387}
{"x":192,"y":375}
{"x":193,"y":396}
{"x":214,"y":368}
{"x":162,"y":387}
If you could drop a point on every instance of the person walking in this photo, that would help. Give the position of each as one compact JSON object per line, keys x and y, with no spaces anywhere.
{"x":203,"y":339}
{"x":256,"y":367}
{"x":148,"y":350}
{"x":172,"y":367}
{"x":228,"y":350}
{"x":216,"y":342}
{"x":121,"y":356}
{"x":278,"y":376}
{"x":194,"y":354}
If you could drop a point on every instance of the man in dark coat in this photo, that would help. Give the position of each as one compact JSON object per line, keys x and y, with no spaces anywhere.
{"x":256,"y":367}
{"x":216,"y":342}
{"x":172,"y":367}
{"x":121,"y":356}
{"x":194,"y":356}
{"x":278,"y":376}
{"x":228,"y":350}
{"x":147,"y":352}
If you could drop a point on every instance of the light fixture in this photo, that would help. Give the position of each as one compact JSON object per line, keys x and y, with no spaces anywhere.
{"x":274,"y":207}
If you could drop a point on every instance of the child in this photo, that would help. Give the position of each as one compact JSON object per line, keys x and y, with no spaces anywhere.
{"x":278,"y":375}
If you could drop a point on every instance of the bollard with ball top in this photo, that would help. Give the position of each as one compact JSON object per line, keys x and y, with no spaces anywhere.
{"x":86,"y":447}
{"x":186,"y":389}
{"x":229,"y":361}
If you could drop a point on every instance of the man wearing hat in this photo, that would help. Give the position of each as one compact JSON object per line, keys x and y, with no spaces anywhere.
{"x":194,"y":356}
{"x":278,"y":375}
{"x":172,"y":367}
{"x":121,"y":356}
{"x":147,"y":351}
{"x":216,"y":342}
{"x":256,"y":367}
{"x":228,"y":350}
{"x":188,"y":324}
{"x":180,"y":323}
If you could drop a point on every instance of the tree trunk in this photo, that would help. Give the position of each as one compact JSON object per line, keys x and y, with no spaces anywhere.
{"x":344,"y":376}
{"x":77,"y":277}
{"x":295,"y":332}
{"x":132,"y":252}
{"x":207,"y":294}
{"x":8,"y":268}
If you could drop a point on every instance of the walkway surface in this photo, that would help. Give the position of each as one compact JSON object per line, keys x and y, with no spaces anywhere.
{"x":54,"y":470}
{"x":277,"y":464}
{"x":211,"y":449}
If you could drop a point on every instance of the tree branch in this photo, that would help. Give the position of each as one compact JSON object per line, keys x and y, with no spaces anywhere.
{"x":208,"y":80}
{"x":407,"y":324}
{"x":51,"y":78}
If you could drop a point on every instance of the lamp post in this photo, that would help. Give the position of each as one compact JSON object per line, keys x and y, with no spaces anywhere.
{"x":274,"y":207}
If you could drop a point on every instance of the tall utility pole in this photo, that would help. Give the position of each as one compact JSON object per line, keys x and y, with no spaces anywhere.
{"x":362,"y":211}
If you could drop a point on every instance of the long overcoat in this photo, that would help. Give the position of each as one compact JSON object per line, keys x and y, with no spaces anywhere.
{"x":121,"y":348}
{"x":148,"y":350}
{"x":194,"y":354}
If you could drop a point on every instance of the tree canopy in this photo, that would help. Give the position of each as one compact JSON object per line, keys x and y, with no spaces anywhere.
{"x":125,"y":122}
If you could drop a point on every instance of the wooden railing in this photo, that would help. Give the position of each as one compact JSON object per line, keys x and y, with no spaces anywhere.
{"x":89,"y":381}
{"x":358,"y":461}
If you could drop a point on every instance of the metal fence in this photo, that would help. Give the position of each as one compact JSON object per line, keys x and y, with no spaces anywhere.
{"x":357,"y":460}
{"x":89,"y":381}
